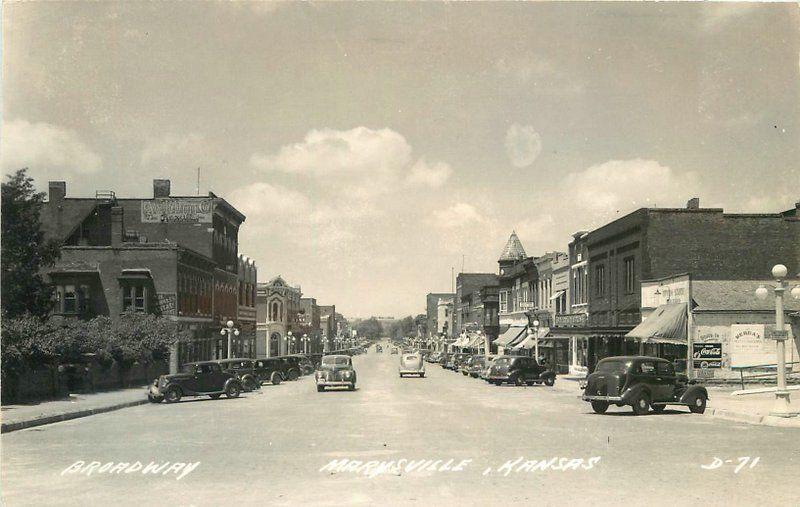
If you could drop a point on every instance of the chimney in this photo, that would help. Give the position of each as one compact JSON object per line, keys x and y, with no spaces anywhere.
{"x":57,"y":191}
{"x":116,"y":226}
{"x":693,"y":203}
{"x":160,"y":188}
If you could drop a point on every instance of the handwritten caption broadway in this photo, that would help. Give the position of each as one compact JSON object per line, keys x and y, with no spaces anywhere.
{"x":176,"y":469}
{"x":425,"y":466}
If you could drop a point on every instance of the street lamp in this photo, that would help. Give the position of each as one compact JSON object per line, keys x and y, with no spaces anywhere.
{"x":782,"y":408}
{"x":305,"y":339}
{"x":536,"y":338}
{"x":231,"y":332}
{"x":289,"y":342}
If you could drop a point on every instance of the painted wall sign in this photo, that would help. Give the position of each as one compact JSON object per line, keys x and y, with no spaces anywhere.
{"x":177,"y":211}
{"x":707,"y":355}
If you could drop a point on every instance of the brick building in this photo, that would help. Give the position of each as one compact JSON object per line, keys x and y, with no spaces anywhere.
{"x":653,"y":243}
{"x":247,"y":279}
{"x":466,"y":285}
{"x":277,"y":315}
{"x":169,"y":255}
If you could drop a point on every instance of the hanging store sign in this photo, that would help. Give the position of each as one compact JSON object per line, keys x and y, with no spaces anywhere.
{"x":177,"y":211}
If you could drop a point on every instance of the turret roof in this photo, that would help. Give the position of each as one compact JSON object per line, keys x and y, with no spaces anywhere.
{"x":513,"y":250}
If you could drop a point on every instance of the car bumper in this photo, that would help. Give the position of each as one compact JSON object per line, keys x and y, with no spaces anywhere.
{"x":412,"y":372}
{"x":612,"y":399}
{"x":497,"y":377}
{"x":329,"y":383}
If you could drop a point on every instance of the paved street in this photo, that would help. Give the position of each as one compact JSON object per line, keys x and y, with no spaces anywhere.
{"x":268,"y":448}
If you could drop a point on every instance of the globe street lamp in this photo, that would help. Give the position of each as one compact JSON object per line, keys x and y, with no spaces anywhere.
{"x":231,"y":332}
{"x":305,"y":339}
{"x":782,"y":407}
{"x":536,"y":338}
{"x":289,"y":342}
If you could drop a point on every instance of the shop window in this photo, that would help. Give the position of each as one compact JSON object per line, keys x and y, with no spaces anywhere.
{"x":134,"y":296}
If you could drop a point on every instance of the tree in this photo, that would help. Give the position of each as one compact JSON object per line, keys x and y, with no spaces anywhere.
{"x":24,"y":249}
{"x":370,"y":328}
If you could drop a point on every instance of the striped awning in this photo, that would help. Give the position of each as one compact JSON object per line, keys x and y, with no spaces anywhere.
{"x":530,"y":341}
{"x":511,"y":335}
{"x":667,"y":324}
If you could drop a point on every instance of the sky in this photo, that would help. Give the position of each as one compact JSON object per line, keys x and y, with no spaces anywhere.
{"x":375,"y":147}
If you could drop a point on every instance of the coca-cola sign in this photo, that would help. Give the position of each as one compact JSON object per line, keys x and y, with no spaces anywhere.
{"x":707,"y":355}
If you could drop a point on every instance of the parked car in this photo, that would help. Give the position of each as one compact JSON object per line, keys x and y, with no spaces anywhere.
{"x":520,"y":370}
{"x":292,"y":368}
{"x":336,"y":371}
{"x":476,"y":366}
{"x":643,"y":383}
{"x":465,"y":365}
{"x":271,"y":370}
{"x":196,"y":379}
{"x":244,"y":369}
{"x":378,"y":348}
{"x":455,"y":360}
{"x":304,"y":363}
{"x":394,"y":350}
{"x":487,"y":368}
{"x":444,"y":358}
{"x":411,"y":364}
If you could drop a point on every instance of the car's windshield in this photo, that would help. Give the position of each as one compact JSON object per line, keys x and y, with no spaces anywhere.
{"x":613,"y":366}
{"x":410,"y":357}
{"x":502,"y":361}
{"x":335,"y":361}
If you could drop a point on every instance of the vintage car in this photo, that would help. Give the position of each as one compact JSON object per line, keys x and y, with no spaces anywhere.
{"x":244,"y":369}
{"x":196,"y":379}
{"x":487,"y":368}
{"x":643,"y":383}
{"x":292,"y":368}
{"x":444,"y":357}
{"x":475,"y":366}
{"x":378,"y":348}
{"x":335,"y":371}
{"x":464,"y":365}
{"x":520,"y":371}
{"x":411,"y":364}
{"x":271,"y":370}
{"x":394,"y":350}
{"x":304,"y":363}
{"x":455,"y":360}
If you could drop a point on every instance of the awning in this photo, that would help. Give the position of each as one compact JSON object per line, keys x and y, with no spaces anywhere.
{"x":557,"y":295}
{"x":667,"y":324}
{"x":461,"y":341}
{"x":530,"y":341}
{"x":476,"y":342}
{"x":135,"y":273}
{"x":511,"y":335}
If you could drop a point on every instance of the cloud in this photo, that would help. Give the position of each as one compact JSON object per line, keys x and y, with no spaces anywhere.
{"x":460,"y":214}
{"x":47,"y":149}
{"x":433,"y":176}
{"x":523,"y":145}
{"x":265,"y":201}
{"x":328,"y":152}
{"x":172,"y":150}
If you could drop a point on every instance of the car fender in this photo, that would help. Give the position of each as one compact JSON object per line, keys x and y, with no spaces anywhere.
{"x":547,"y":374}
{"x":633,"y":392}
{"x":693,"y":391}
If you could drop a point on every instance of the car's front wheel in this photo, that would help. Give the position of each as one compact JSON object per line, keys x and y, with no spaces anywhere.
{"x":232,"y":391}
{"x":294,"y":375}
{"x":250,"y":384}
{"x":698,"y":405}
{"x":641,"y":405}
{"x":519,"y":381}
{"x":275,"y":378}
{"x":599,"y":407}
{"x":549,"y":381}
{"x":155,"y":399}
{"x":173,"y":395}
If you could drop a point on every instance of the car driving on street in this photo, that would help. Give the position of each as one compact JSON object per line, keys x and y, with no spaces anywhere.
{"x":642,"y":383}
{"x":196,"y":379}
{"x":411,"y":364}
{"x":336,"y":371}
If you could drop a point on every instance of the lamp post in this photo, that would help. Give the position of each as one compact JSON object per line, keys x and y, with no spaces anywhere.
{"x":782,"y":408}
{"x":289,"y":342}
{"x":305,"y":339}
{"x":536,"y":338}
{"x":231,"y":332}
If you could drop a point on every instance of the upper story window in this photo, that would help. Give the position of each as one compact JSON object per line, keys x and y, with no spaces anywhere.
{"x":503,"y":302}
{"x":134,"y":296}
{"x":71,"y":299}
{"x":630,"y":275}
{"x":600,"y":280}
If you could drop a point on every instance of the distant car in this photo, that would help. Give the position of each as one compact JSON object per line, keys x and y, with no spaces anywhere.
{"x":244,"y":369}
{"x":454,"y":363}
{"x":487,"y":367}
{"x":476,"y":366}
{"x":394,"y":350}
{"x":643,"y":383}
{"x":411,"y":364}
{"x":378,"y":348}
{"x":520,"y":371}
{"x":464,"y":366}
{"x":444,"y":357}
{"x":304,"y":363}
{"x":336,"y":371}
{"x":196,"y":379}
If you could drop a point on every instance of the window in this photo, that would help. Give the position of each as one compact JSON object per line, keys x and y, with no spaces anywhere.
{"x":70,"y":301}
{"x":503,"y":302}
{"x":647,"y":367}
{"x":134,"y":296}
{"x":630,"y":275}
{"x":665,"y":368}
{"x":600,"y":280}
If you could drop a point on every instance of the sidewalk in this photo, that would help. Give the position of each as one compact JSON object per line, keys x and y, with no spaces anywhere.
{"x":749,"y":408}
{"x":17,"y":417}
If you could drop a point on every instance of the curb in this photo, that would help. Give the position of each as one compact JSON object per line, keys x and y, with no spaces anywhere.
{"x":50,"y":419}
{"x":763,"y":420}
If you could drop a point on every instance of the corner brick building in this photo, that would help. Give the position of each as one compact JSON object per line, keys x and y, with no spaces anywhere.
{"x":653,"y":243}
{"x":175,"y":256}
